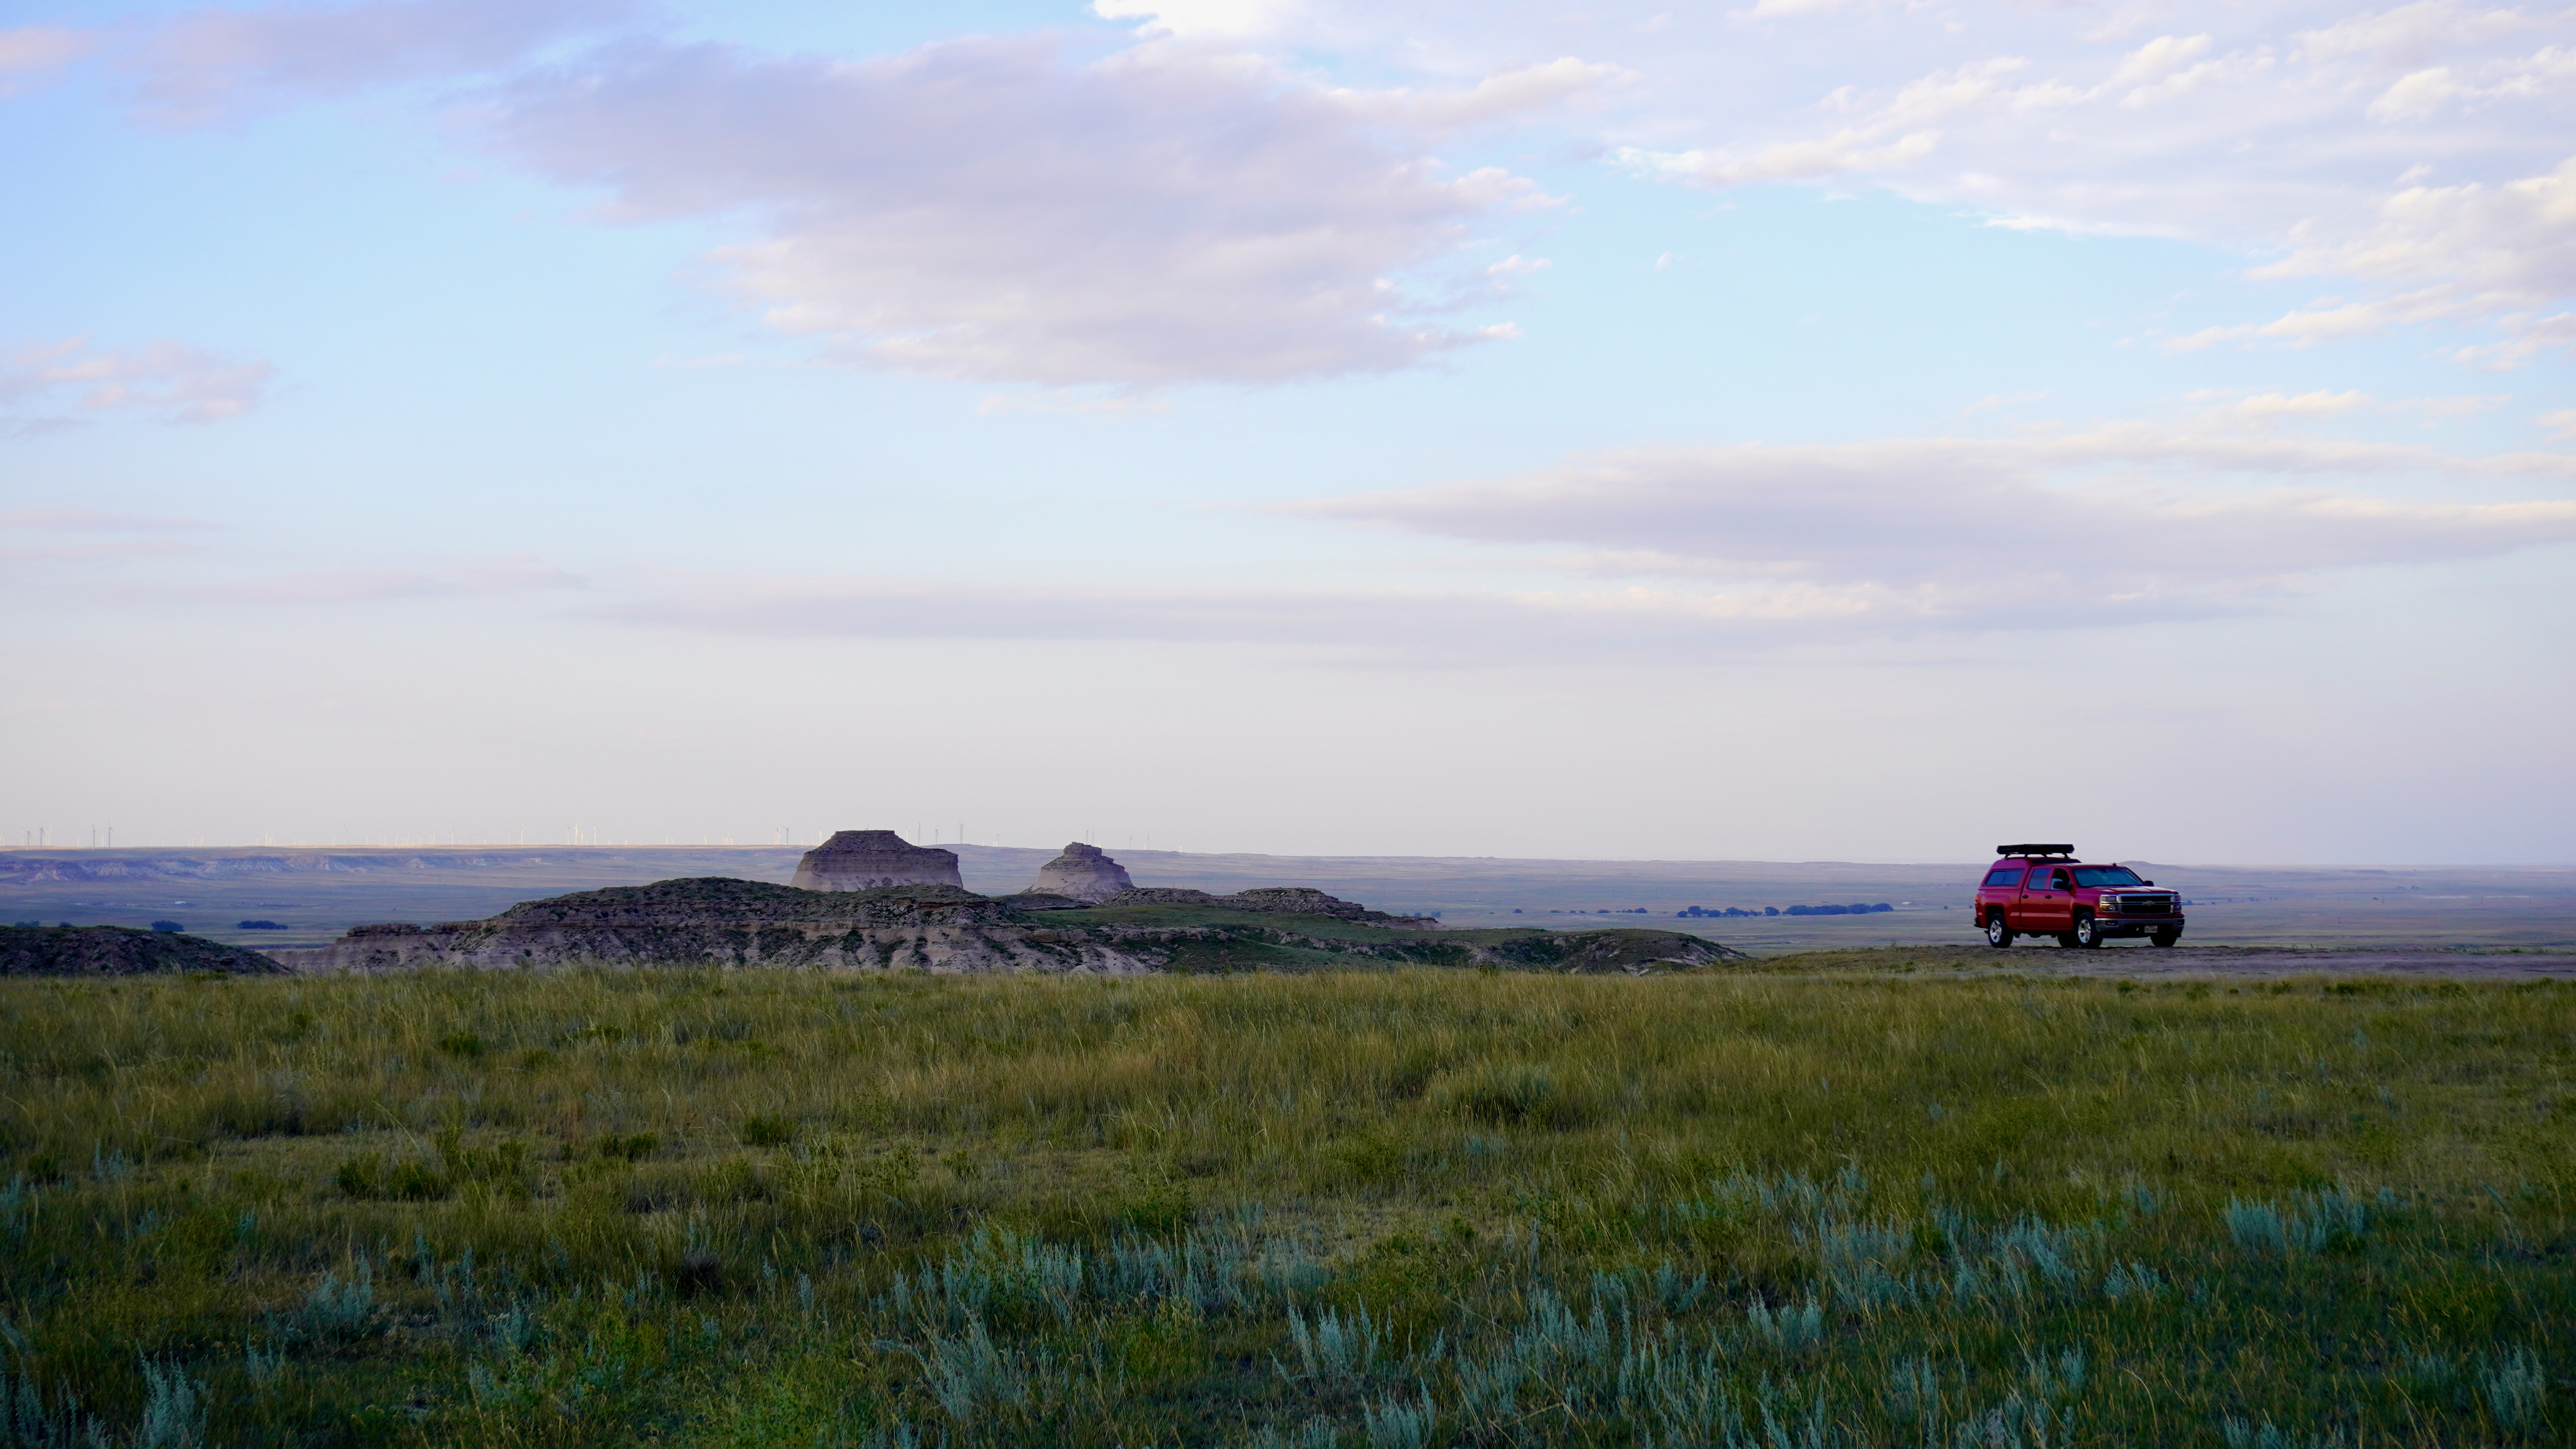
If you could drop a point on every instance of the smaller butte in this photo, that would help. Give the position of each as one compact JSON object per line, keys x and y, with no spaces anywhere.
{"x":858,"y":860}
{"x":1083,"y":873}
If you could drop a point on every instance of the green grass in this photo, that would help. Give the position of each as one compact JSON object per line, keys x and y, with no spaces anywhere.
{"x":1405,"y":1208}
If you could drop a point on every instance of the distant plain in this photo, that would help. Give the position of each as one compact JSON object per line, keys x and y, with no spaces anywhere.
{"x":315,"y":893}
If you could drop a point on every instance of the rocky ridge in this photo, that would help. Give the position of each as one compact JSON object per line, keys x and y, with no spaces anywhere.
{"x":1272,"y":900}
{"x":726,"y":922}
{"x":121,"y":951}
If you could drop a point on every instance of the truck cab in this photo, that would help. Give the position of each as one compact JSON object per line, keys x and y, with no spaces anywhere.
{"x":2043,"y":890}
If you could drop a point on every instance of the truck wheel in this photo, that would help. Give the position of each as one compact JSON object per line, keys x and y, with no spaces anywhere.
{"x":1998,"y":935}
{"x":2086,"y":934}
{"x":2167,"y":936}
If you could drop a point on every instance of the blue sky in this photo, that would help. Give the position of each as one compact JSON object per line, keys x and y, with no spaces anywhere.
{"x":1806,"y":430}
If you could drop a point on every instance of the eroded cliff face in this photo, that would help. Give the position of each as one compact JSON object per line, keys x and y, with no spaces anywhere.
{"x":1084,"y":873}
{"x":716,"y":921}
{"x":858,"y":860}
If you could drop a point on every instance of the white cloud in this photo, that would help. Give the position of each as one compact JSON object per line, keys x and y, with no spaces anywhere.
{"x":1667,"y":552}
{"x":1230,"y":19}
{"x":2156,"y":59}
{"x":126,"y":536}
{"x":31,"y":50}
{"x":2467,"y":253}
{"x":1508,"y":95}
{"x":52,"y":384}
{"x":516,"y":574}
{"x":988,"y":209}
{"x":2416,"y":96}
{"x":209,"y":65}
{"x":86,"y":520}
{"x":2120,"y":522}
{"x":2271,"y":127}
{"x":2408,"y":33}
{"x":1414,"y":627}
{"x":1779,"y":9}
{"x":2263,"y":410}
{"x":2002,"y":400}
{"x":1844,"y":151}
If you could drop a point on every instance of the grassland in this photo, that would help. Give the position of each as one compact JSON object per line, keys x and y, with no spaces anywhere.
{"x":1394,"y":1209}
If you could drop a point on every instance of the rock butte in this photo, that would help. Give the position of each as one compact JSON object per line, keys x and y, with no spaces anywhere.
{"x":1084,"y":873}
{"x":858,"y":860}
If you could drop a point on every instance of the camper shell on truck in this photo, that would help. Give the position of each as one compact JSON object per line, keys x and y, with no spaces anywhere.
{"x":2043,"y":890}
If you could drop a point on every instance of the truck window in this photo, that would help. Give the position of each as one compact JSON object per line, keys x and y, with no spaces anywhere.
{"x":2006,"y":876}
{"x":2106,"y":875}
{"x":2056,"y":881}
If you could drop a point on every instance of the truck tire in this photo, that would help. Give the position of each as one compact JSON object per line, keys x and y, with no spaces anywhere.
{"x":2086,"y":935}
{"x":1998,"y":935}
{"x":2167,"y":936}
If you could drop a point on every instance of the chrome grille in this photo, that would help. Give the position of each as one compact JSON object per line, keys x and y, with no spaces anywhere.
{"x":2144,"y":905}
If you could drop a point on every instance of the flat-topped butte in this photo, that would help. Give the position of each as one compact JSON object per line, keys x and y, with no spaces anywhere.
{"x":721,"y":921}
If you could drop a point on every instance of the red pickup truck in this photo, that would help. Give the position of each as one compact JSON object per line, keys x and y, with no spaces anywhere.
{"x":2043,"y":890}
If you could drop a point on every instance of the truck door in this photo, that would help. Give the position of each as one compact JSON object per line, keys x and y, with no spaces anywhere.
{"x":2048,"y":901}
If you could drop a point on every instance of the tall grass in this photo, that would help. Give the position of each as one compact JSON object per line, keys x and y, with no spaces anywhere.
{"x":1408,"y":1209}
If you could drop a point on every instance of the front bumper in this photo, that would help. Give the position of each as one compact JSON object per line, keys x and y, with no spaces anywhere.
{"x":2109,"y":926}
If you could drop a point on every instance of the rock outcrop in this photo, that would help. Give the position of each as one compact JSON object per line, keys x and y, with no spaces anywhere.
{"x":1045,"y":901}
{"x":1084,"y":872}
{"x":1270,"y":900}
{"x":858,"y":860}
{"x":724,"y":922}
{"x":719,"y":921}
{"x":120,"y":951}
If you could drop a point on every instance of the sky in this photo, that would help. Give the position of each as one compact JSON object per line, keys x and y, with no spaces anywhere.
{"x":1809,"y":429}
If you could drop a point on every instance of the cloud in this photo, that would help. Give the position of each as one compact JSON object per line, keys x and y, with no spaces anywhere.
{"x":2270,"y":128}
{"x":212,"y":65}
{"x":1508,"y":95}
{"x":128,"y":536}
{"x":2099,"y":526}
{"x":1232,"y":19}
{"x":92,"y":520}
{"x":2263,"y":410}
{"x":2157,"y":59}
{"x":1415,"y":628}
{"x":515,"y":574}
{"x":1692,"y":552}
{"x":32,"y":50}
{"x":2409,"y":33}
{"x":2002,"y":400}
{"x":2460,"y":254}
{"x":46,"y":385}
{"x":989,"y":209}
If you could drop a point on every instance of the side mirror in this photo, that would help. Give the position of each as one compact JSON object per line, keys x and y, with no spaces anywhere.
{"x":2151,"y":882}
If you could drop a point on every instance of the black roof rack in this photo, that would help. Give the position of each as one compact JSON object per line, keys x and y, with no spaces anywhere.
{"x":2034,"y":850}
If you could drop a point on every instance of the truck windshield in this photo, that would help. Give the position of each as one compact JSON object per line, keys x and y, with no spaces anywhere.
{"x":2106,"y":875}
